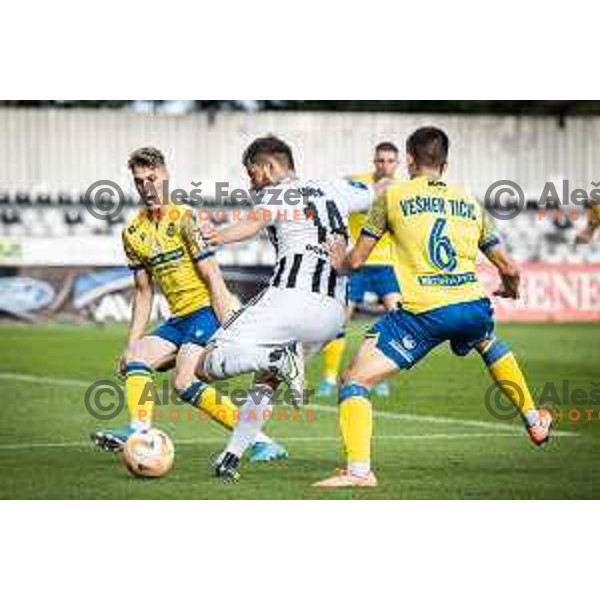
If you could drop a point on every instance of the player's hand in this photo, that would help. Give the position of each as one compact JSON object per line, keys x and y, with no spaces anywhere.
{"x":210,"y":234}
{"x":584,"y":236}
{"x":509,"y":288}
{"x":382,"y":185}
{"x":336,"y":247}
{"x":121,"y":365}
{"x":122,"y":360}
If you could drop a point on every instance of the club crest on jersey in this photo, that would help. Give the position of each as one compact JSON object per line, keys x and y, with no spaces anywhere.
{"x":170,"y":230}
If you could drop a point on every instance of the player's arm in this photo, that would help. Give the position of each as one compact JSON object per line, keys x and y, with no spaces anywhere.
{"x":211,"y":274}
{"x":491,"y":245}
{"x":208,"y":268}
{"x":344,"y":262}
{"x":143,"y":294}
{"x":586,"y":235}
{"x":256,"y":220}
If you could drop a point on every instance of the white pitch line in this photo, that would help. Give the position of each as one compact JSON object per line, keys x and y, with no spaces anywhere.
{"x":382,"y":414}
{"x":37,"y":379}
{"x":286,"y":440}
{"x":324,"y":407}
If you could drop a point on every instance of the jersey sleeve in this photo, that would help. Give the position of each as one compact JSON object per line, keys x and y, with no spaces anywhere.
{"x":377,"y":221}
{"x":133,"y":260}
{"x":192,"y":238}
{"x":489,"y":237}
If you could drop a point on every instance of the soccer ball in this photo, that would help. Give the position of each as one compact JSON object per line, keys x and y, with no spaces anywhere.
{"x":149,"y":454}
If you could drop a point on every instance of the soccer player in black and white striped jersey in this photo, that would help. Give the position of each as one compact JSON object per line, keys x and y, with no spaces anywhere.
{"x":305,"y":302}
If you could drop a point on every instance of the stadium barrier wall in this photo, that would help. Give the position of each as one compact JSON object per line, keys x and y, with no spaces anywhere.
{"x":559,"y":292}
{"x":551,"y":293}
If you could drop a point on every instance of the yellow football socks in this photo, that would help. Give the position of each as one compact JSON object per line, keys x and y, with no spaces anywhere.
{"x":505,"y":371}
{"x":206,"y":399}
{"x":140,"y":394}
{"x":356,"y":424}
{"x":332,"y":359}
{"x":219,"y":407}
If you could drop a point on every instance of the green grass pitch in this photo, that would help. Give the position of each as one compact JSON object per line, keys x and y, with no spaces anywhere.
{"x":434,"y":437}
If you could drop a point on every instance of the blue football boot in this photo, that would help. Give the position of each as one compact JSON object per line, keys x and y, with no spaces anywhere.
{"x":267,"y":451}
{"x":112,"y":440}
{"x":326,"y":389}
{"x":382,"y":389}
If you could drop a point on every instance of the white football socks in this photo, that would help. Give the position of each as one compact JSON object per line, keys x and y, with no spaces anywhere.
{"x":253,"y":416}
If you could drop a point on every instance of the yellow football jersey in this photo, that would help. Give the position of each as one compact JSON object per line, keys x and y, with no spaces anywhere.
{"x":437,"y":231}
{"x":383,"y":253}
{"x":167,"y":249}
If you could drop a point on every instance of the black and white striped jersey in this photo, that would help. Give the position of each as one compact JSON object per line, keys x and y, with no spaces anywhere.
{"x":298,"y":230}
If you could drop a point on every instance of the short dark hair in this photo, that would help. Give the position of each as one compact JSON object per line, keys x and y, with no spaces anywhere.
{"x":428,"y":146}
{"x":266,"y":146}
{"x":146,"y":157}
{"x":386,"y":147}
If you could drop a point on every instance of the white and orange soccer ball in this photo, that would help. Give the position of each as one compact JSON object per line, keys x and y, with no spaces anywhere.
{"x":149,"y":454}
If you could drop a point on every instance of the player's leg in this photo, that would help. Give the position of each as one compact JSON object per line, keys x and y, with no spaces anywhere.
{"x":391,"y":301}
{"x":292,"y":319}
{"x":199,"y":331}
{"x":206,"y":399}
{"x":148,"y":354}
{"x":398,"y":341}
{"x":240,"y":347}
{"x":254,"y":415}
{"x":258,"y":339}
{"x":504,"y":369}
{"x":369,"y":367}
{"x":471,"y":326}
{"x":268,"y":341}
{"x":384,"y":283}
{"x":197,"y":393}
{"x":223,"y":359}
{"x":333,"y":352}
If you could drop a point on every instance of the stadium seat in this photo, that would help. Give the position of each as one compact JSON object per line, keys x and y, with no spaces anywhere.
{"x":23,"y":199}
{"x":43,"y":200}
{"x":528,"y":237}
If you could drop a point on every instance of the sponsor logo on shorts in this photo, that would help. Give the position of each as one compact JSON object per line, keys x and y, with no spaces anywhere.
{"x":408,"y":341}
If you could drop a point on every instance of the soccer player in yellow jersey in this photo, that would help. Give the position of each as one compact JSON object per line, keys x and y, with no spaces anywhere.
{"x":438,"y":231}
{"x":377,"y":276}
{"x":586,"y":235}
{"x":163,"y":244}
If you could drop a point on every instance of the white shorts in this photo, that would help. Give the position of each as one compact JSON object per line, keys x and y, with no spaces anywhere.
{"x":275,"y":318}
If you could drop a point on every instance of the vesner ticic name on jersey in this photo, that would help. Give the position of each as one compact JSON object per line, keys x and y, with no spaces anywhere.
{"x":438,"y":205}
